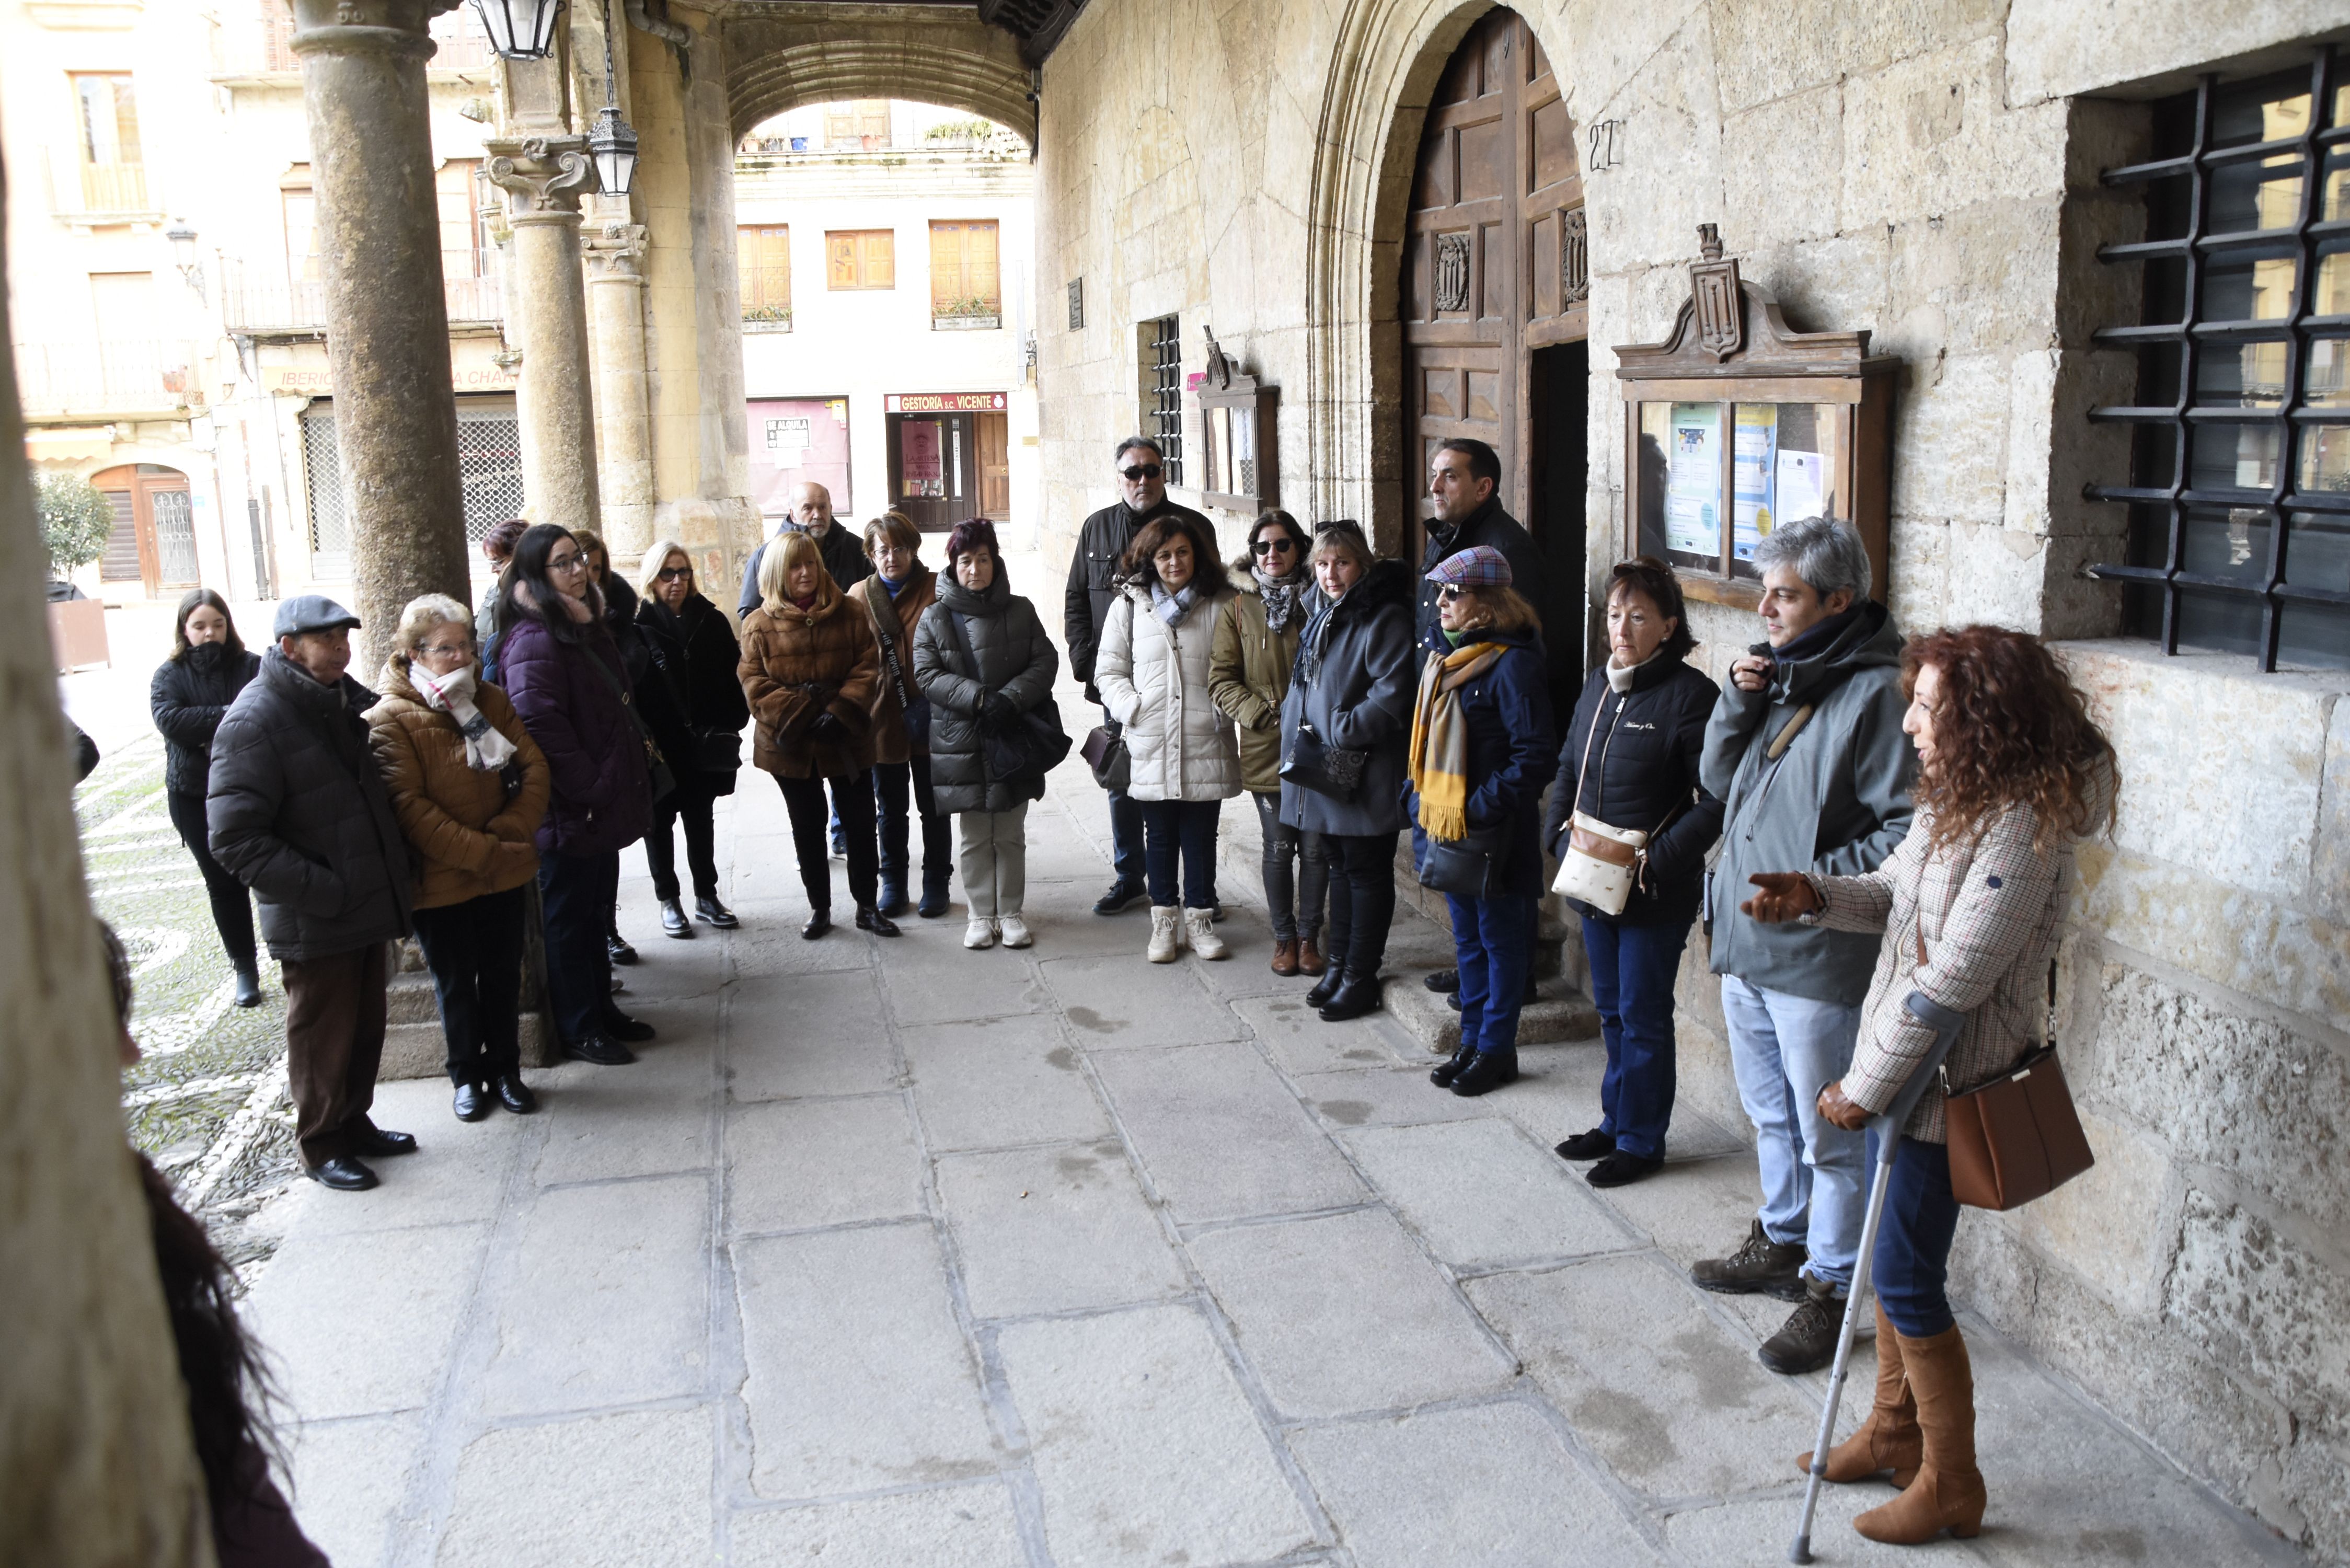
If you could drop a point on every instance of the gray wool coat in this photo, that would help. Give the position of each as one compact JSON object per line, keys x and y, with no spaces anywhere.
{"x":1836,"y":803}
{"x":1015,"y":657}
{"x":1360,"y":698}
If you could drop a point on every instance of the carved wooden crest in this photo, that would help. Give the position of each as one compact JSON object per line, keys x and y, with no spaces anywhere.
{"x":1713,"y":287}
{"x":1573,"y":257}
{"x":1453,"y":272}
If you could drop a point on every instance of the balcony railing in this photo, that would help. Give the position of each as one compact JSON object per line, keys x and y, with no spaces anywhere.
{"x":302,"y":307}
{"x":766,"y":293}
{"x":84,"y":190}
{"x":107,"y":376}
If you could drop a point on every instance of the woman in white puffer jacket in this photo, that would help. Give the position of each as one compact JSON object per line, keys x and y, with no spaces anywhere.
{"x":1153,"y":676}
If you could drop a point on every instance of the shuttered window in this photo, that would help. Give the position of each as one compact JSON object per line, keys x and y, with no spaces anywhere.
{"x":964,"y":270}
{"x":861,"y":258}
{"x":762,"y":260}
{"x":864,"y":124}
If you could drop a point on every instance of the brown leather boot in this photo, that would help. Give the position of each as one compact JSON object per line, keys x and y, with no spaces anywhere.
{"x":1284,"y":958}
{"x":1309,"y":956}
{"x":1888,"y":1439}
{"x":1948,"y":1493}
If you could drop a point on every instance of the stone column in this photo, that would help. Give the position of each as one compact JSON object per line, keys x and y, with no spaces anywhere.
{"x":543,"y":177}
{"x":387,"y":320}
{"x":615,"y":316}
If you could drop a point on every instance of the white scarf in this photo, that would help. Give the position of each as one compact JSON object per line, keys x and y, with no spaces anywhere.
{"x":486,"y":750}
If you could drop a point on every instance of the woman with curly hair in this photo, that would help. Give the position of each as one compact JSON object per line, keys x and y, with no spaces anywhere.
{"x":2012,"y":773}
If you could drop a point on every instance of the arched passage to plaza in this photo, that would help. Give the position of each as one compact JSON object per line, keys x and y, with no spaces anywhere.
{"x":779,"y":58}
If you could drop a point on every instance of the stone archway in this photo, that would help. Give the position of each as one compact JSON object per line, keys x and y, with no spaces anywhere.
{"x":780,"y":56}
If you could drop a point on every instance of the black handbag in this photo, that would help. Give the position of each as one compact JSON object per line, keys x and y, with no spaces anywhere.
{"x":1106,"y":754}
{"x":1463,"y":868}
{"x":717,"y":750}
{"x":657,"y":767}
{"x":1326,"y":769}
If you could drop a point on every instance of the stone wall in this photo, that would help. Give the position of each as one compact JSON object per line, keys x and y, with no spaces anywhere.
{"x":1927,"y":170}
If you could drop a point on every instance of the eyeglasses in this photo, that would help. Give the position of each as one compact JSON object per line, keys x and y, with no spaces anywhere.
{"x":565,"y":563}
{"x":446,"y":649}
{"x":1143,"y":470}
{"x":672,"y":573}
{"x":1268,"y":546}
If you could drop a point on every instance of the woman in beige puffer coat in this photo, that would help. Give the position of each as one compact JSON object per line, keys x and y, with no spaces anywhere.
{"x":1153,"y":675}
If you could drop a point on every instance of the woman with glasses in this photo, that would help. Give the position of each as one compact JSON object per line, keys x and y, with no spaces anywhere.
{"x":690,"y":656}
{"x":1248,"y":669}
{"x":566,"y":680}
{"x":191,"y":691}
{"x":895,"y":596}
{"x":1350,"y":700}
{"x":469,"y":786}
{"x":1153,"y":676}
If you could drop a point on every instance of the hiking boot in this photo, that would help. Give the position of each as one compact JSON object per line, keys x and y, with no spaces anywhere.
{"x":1759,"y":1266}
{"x":1807,"y":1340}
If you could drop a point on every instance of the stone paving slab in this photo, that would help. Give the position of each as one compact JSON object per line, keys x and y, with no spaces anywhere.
{"x":1055,"y":1229}
{"x":1301,"y":1044}
{"x":1222,"y":1135}
{"x":1344,"y":1314}
{"x":1386,"y":1096}
{"x":620,"y":1490}
{"x":458,"y":1175}
{"x":810,"y":1035}
{"x":1146,"y":1449}
{"x":651,"y":1118}
{"x":1119,"y":1002}
{"x":799,"y":1164}
{"x":999,"y":1082}
{"x":860,"y":1377}
{"x":935,"y":982}
{"x":352,"y":1480}
{"x":325,"y":1294}
{"x":946,"y":1527}
{"x":1482,"y":1195}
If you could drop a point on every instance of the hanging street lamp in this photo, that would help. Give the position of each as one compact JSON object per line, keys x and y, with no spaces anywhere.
{"x":611,"y":144}
{"x":519,"y":30}
{"x":185,"y":257}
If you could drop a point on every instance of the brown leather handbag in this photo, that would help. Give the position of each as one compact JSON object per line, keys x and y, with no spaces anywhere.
{"x":2016,"y":1137}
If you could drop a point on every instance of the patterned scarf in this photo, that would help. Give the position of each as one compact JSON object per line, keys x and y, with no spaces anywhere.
{"x":1281,"y":597}
{"x":1172,"y":608}
{"x":1439,"y":759}
{"x":486,"y":750}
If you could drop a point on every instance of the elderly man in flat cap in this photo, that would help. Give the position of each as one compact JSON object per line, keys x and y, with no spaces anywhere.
{"x":299,"y":813}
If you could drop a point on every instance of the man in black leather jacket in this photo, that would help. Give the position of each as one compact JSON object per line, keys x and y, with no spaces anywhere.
{"x":811,"y":513}
{"x":1094,"y":571}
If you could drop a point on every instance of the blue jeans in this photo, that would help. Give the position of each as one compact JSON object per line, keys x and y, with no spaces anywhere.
{"x":1184,"y":829}
{"x":1784,"y":1049}
{"x":1489,"y":943}
{"x":1632,"y":971}
{"x":1913,"y":1240}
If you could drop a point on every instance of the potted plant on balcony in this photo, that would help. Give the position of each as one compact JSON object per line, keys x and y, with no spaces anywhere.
{"x":970,"y":313}
{"x":766,"y":318}
{"x":75,"y":520}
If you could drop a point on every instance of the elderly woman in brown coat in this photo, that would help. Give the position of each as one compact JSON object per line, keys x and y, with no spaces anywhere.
{"x":811,"y":669}
{"x":469,"y":787}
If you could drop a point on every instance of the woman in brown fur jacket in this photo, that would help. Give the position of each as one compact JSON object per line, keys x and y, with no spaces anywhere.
{"x":811,"y":669}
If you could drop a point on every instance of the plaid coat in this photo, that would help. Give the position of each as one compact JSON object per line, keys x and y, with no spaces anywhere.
{"x":1987,"y":911}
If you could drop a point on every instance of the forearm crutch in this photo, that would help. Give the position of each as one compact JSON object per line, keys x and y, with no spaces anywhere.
{"x":1887,"y":1127}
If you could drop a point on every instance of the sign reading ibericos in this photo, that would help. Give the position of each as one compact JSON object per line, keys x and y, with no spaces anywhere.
{"x":944,"y":402}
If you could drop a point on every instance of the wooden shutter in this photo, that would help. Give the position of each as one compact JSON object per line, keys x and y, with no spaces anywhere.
{"x":873,"y":120}
{"x":946,"y":266}
{"x":762,"y":262}
{"x":979,"y":272}
{"x":861,"y":258}
{"x":963,"y":267}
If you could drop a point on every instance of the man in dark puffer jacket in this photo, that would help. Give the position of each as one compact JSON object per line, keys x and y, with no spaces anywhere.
{"x":299,"y":813}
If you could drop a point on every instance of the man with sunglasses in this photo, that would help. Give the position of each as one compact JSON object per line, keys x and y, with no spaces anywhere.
{"x":1094,"y":571}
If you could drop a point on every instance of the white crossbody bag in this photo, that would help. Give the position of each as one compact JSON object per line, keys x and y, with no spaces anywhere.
{"x":1601,"y":863}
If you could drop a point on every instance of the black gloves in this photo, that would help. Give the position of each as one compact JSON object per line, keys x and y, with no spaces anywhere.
{"x":999,"y":714}
{"x":827,"y":727}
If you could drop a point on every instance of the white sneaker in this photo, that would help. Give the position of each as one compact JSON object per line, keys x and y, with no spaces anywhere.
{"x":1198,"y":925}
{"x":1015,"y":931}
{"x":1166,"y":933}
{"x":979,"y":933}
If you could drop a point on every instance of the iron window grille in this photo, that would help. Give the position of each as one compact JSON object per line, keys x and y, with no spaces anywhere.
{"x":489,"y":476}
{"x":2240,"y":487}
{"x":1162,"y":414}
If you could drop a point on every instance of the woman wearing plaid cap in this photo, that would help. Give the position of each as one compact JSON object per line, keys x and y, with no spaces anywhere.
{"x":1482,"y":735}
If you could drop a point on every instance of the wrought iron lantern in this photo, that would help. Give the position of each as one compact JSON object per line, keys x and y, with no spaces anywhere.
{"x":520,"y":29}
{"x":613,"y":146}
{"x":185,"y":257}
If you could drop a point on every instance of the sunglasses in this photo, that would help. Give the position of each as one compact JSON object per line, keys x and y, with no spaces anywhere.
{"x":1268,"y":546}
{"x":1450,"y":593}
{"x":672,"y":573}
{"x":1143,"y":470}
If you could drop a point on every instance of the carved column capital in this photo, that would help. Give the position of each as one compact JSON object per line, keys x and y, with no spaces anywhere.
{"x":615,"y":249}
{"x":543,"y":176}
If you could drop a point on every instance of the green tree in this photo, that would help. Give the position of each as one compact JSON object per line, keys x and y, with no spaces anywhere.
{"x":75,"y":518}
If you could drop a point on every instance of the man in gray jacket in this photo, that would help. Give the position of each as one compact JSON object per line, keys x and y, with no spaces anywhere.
{"x":297,"y":811}
{"x":1807,"y":749}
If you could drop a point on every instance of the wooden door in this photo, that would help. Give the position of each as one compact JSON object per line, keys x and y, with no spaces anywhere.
{"x":1495,"y":266}
{"x":154,"y":540}
{"x":933,"y":460}
{"x":994,"y":467}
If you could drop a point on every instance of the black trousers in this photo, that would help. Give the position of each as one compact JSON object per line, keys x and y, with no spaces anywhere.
{"x":231,"y":904}
{"x":892,"y":782}
{"x":853,"y":798}
{"x":336,"y":1009}
{"x":576,"y":892}
{"x":689,"y":803}
{"x":475,"y":951}
{"x":1362,"y":899}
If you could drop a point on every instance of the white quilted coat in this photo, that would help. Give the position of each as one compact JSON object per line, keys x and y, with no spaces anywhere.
{"x":1153,"y":679}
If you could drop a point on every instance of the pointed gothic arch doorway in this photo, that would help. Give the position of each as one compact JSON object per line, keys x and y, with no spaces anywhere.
{"x":1495,"y":303}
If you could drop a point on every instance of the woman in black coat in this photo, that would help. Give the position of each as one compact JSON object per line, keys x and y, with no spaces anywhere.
{"x":620,"y":619}
{"x":208,"y":667}
{"x":1630,"y":759}
{"x":694,"y":704}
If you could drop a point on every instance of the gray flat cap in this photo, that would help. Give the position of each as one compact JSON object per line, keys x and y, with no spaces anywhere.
{"x":311,"y":612}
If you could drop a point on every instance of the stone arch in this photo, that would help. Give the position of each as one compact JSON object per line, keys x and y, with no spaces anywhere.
{"x":1385,"y":62}
{"x":781,"y":57}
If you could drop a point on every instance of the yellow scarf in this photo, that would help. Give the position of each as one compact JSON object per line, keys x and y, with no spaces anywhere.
{"x":1439,"y":759}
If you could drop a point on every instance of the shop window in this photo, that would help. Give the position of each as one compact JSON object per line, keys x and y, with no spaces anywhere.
{"x":762,"y":265}
{"x":861,"y":258}
{"x":2239,"y":493}
{"x":1160,"y":342}
{"x":964,"y":290}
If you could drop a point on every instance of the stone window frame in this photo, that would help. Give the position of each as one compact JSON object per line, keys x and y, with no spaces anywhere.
{"x":1160,"y":344}
{"x":2194,"y":554}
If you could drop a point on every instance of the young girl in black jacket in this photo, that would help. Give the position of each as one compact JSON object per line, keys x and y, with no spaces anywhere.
{"x":1630,"y":759}
{"x":209,"y":665}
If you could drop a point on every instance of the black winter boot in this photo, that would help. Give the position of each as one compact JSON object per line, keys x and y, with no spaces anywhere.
{"x":1357,"y":995}
{"x":1451,"y":1067}
{"x":934,"y":893}
{"x":1489,"y":1071}
{"x":1333,"y":977}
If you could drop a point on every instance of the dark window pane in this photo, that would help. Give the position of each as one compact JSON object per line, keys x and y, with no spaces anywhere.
{"x":2269,"y":109}
{"x":2330,"y":295}
{"x":2325,"y":459}
{"x":2317,"y":552}
{"x":2155,"y":456}
{"x":2314,"y":634}
{"x":2149,"y":540}
{"x":2263,"y":195}
{"x":2234,"y":457}
{"x":2240,"y":375}
{"x":2326,"y":380}
{"x":2333,"y":185}
{"x":2218,"y":623}
{"x":2142,"y":610}
{"x":2157,"y":374}
{"x":2250,"y":284}
{"x":2229,"y":544}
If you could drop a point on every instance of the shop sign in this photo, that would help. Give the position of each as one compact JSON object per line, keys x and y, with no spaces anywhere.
{"x":945,"y":402}
{"x":316,"y":381}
